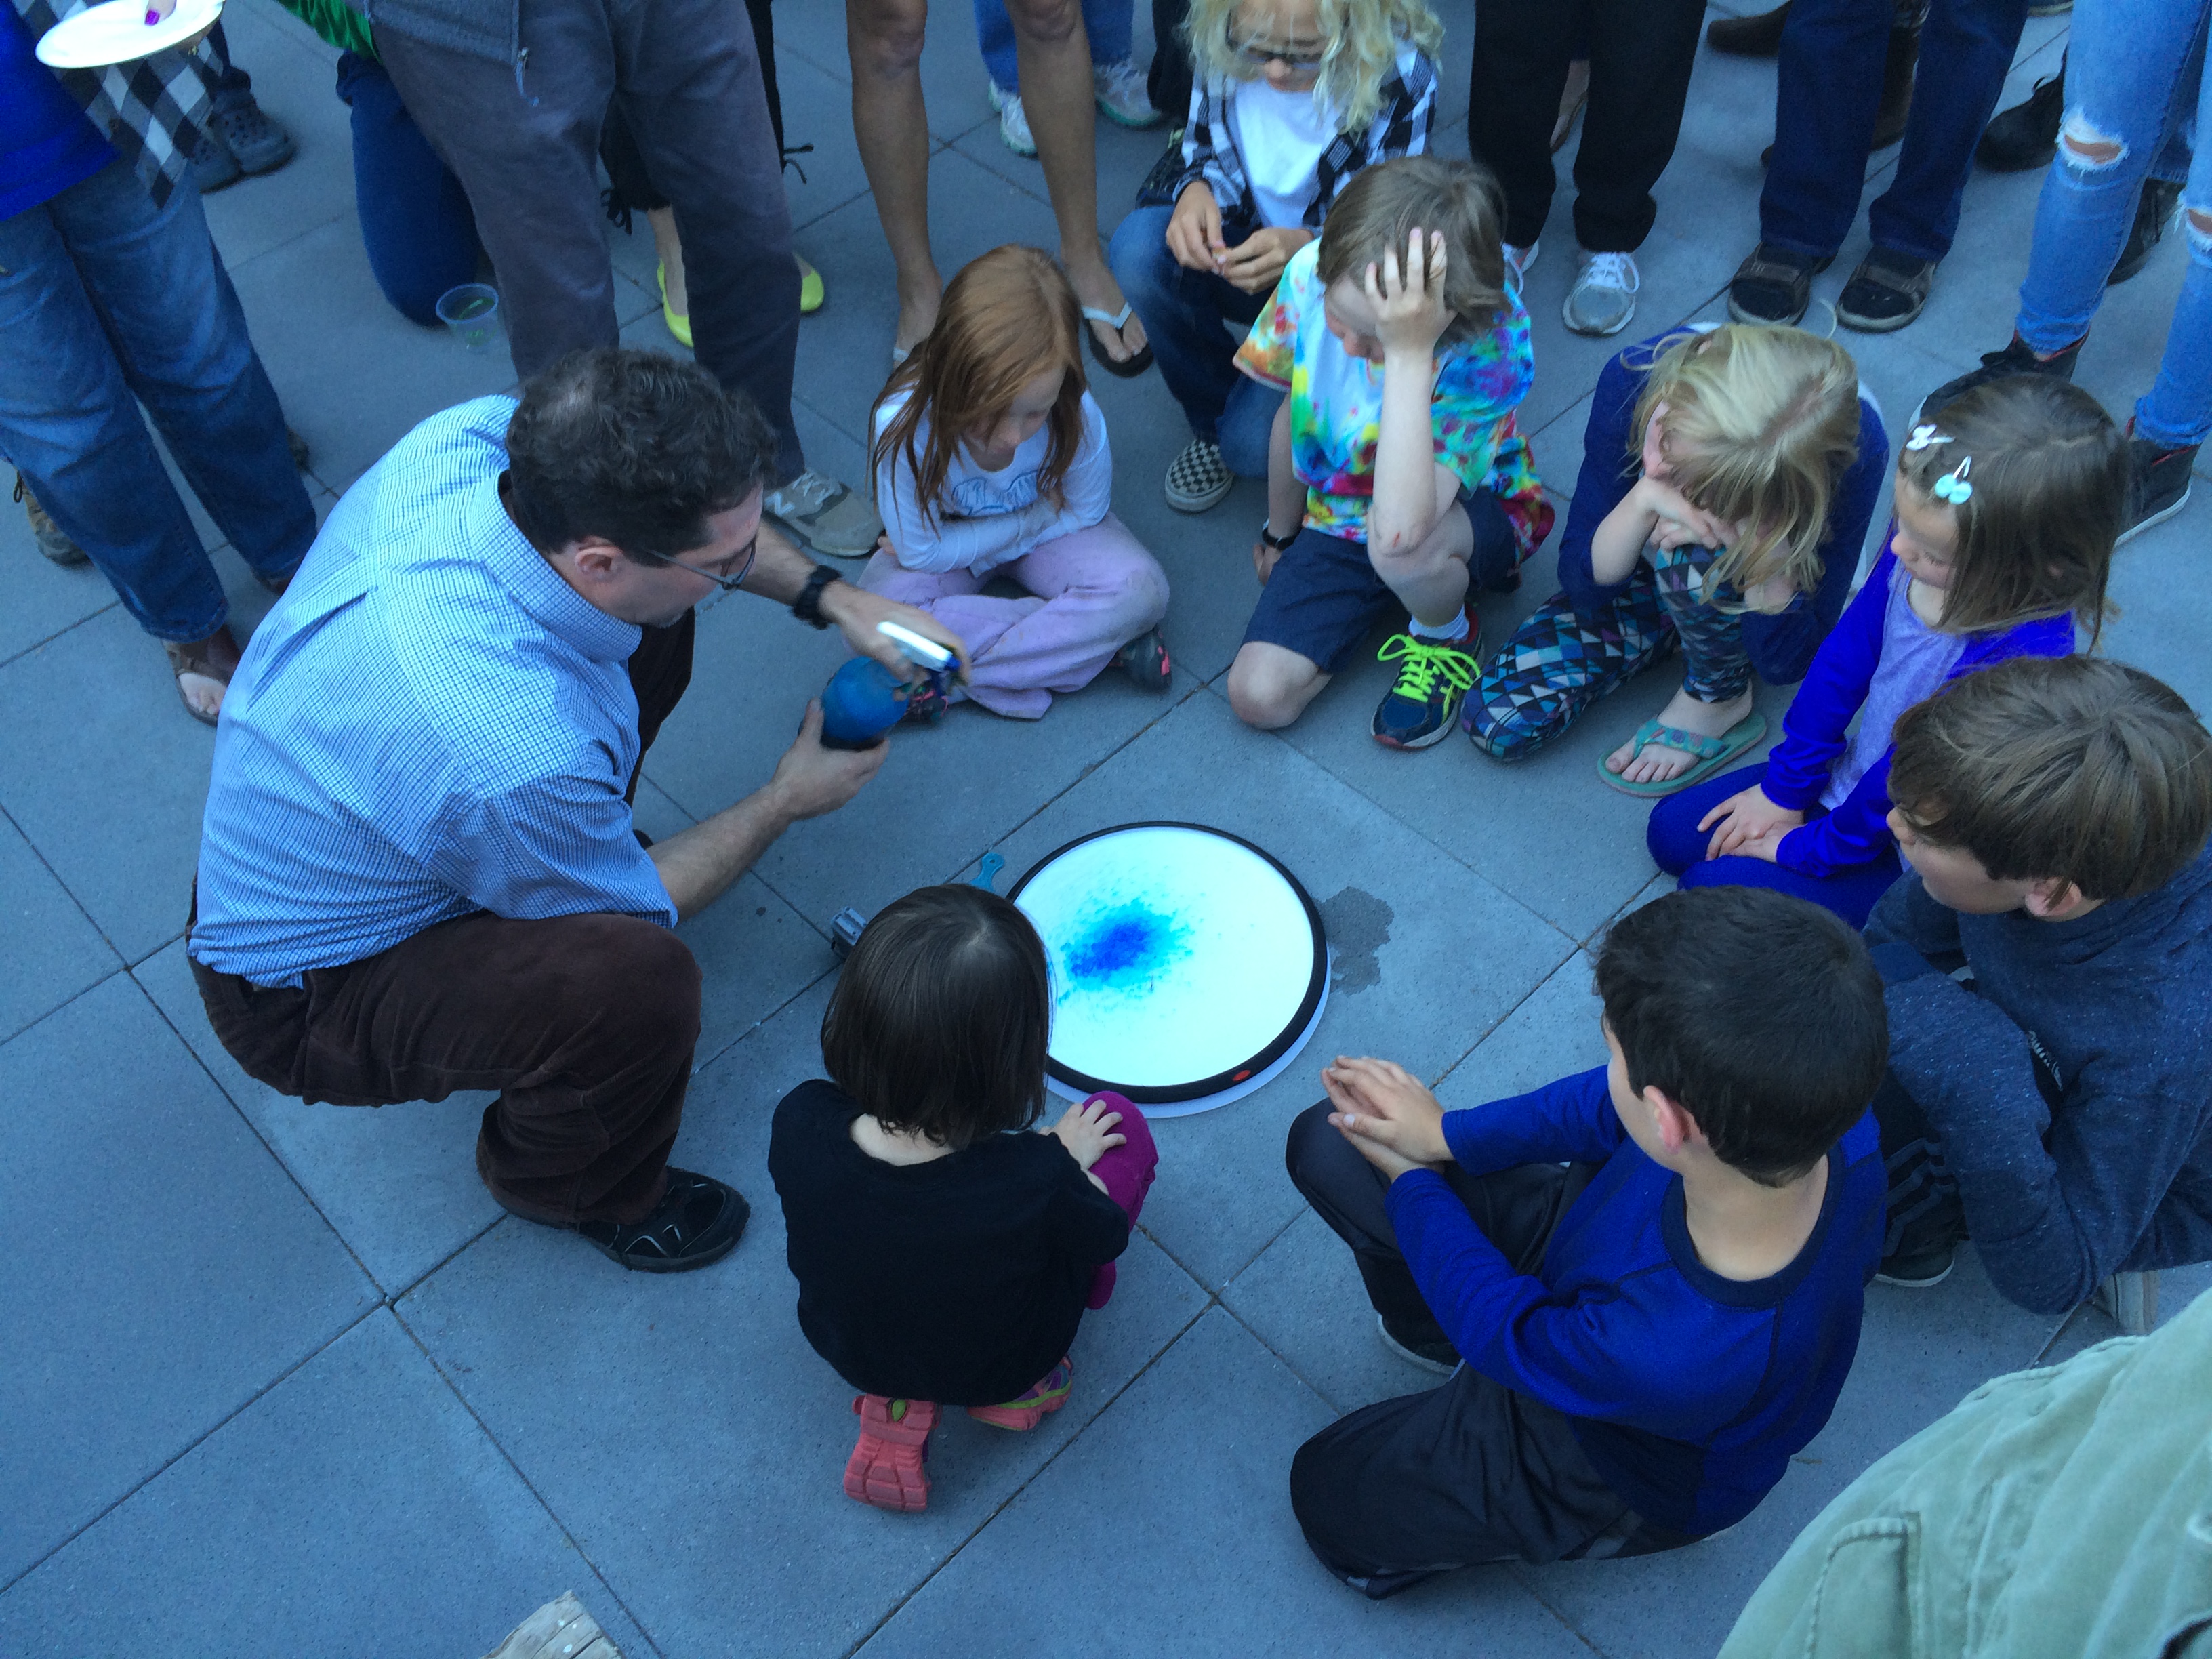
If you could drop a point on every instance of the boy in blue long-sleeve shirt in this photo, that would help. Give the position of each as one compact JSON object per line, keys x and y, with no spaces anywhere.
{"x":2055,"y":815}
{"x":1655,"y":1270}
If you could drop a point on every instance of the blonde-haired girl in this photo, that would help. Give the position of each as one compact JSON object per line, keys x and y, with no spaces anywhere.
{"x":1729,"y":477}
{"x":1291,"y":100}
{"x":990,"y":459}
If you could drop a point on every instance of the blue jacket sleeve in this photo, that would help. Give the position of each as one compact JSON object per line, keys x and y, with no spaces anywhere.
{"x":1817,"y":726}
{"x":1780,"y":647}
{"x":1570,"y":1118}
{"x":1609,"y":472}
{"x":1857,"y":831}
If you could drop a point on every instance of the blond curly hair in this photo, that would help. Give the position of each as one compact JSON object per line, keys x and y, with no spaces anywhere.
{"x":1362,"y":36}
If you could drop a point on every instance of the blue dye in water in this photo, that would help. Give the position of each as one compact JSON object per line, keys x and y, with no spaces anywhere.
{"x":1124,"y":947}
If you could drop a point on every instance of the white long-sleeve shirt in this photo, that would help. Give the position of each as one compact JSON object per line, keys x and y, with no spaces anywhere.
{"x":985,"y":520}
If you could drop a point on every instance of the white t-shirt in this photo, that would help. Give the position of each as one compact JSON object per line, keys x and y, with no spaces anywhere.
{"x":1280,"y":136}
{"x":985,"y":520}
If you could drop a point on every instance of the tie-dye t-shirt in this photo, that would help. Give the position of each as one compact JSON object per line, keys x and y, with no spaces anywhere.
{"x":1336,"y":408}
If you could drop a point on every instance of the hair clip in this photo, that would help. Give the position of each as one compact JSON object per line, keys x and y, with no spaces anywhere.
{"x":1924,"y":436}
{"x":1952,"y":487}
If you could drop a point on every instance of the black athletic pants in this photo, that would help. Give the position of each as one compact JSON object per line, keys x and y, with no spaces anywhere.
{"x":1640,"y":55}
{"x":1469,"y":1473}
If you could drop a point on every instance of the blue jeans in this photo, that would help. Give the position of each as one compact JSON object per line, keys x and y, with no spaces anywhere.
{"x":415,"y":217}
{"x":1678,"y":847}
{"x":1826,"y":96}
{"x":1185,"y":313}
{"x":2136,"y":74}
{"x":106,"y":302}
{"x":1110,"y":25}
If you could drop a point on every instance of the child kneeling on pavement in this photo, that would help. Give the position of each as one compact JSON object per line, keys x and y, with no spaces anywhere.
{"x":2055,"y":813}
{"x":945,"y":1256}
{"x":1654,"y":1271}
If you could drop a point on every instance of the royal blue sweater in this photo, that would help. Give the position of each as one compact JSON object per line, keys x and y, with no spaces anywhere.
{"x":1817,"y":728}
{"x":1779,"y":646}
{"x":47,"y":144}
{"x":1688,"y":1392}
{"x":2072,"y":1086}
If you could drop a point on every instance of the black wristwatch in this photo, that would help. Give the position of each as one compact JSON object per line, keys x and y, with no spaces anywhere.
{"x":807,"y":607}
{"x":1279,"y":543}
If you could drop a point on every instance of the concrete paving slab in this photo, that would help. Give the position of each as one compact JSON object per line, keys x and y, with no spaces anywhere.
{"x":398,"y":1183}
{"x":1201,"y":1448}
{"x":361,"y":1508}
{"x":51,"y":949}
{"x":752,"y":1430}
{"x":161,"y":1269}
{"x":47,"y":598}
{"x":1401,"y":914}
{"x":319,"y":321}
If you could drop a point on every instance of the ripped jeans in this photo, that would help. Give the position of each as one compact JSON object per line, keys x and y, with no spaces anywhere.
{"x":2136,"y":96}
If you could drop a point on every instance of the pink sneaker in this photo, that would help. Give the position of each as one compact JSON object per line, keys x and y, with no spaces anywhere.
{"x":889,"y":1467}
{"x":1049,"y":1393}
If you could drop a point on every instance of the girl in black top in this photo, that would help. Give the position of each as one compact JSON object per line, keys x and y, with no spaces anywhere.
{"x":943,"y":1256}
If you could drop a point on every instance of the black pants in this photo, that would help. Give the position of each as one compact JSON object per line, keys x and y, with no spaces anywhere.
{"x":631,"y":181}
{"x":1469,"y":1473}
{"x":1640,"y":56}
{"x":524,"y":140}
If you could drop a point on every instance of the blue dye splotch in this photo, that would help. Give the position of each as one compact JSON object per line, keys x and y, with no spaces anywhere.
{"x":1124,"y":947}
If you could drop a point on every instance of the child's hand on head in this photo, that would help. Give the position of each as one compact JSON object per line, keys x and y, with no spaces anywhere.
{"x":1087,"y":1132}
{"x":1194,"y":229}
{"x":1409,"y":302}
{"x":1748,"y":825}
{"x":1677,"y":521}
{"x":1387,"y":1112}
{"x":1255,"y":263}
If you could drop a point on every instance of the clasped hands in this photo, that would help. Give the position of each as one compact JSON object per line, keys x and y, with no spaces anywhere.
{"x":1387,"y":1112}
{"x":1195,"y":238}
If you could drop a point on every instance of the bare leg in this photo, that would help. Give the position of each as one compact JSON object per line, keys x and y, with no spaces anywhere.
{"x":1430,"y":580}
{"x":669,"y":248}
{"x":1270,"y":685}
{"x":884,"y":38}
{"x":1054,"y":57}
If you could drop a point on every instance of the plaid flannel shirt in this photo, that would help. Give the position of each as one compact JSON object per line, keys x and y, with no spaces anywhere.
{"x":150,"y":111}
{"x":1401,"y":127}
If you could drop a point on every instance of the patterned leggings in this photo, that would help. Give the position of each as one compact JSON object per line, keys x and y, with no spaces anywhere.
{"x":1559,"y":661}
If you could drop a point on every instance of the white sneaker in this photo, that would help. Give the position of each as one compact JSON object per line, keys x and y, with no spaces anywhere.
{"x":1603,"y":298}
{"x":1013,"y":125}
{"x":1518,"y":259}
{"x":1122,"y":97}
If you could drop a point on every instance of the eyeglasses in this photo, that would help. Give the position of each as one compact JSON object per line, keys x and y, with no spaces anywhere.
{"x":1260,"y":54}
{"x":727,"y":584}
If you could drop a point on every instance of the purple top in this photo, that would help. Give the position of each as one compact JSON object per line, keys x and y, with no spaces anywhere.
{"x":1916,"y":660}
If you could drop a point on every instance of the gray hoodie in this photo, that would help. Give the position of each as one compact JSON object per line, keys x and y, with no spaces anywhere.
{"x":2072,"y":1087}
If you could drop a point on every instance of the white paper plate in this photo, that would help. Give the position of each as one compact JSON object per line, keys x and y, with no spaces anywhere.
{"x":118,"y":32}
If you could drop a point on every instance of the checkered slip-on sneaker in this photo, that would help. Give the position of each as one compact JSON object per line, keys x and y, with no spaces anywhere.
{"x":1196,"y":478}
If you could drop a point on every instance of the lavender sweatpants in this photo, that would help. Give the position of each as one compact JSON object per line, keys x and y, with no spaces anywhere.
{"x":1094,"y":591}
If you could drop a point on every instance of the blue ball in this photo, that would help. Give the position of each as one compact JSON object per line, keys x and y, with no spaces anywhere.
{"x":860,"y":703}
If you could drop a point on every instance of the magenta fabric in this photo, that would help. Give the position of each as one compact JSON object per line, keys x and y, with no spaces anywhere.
{"x":1127,"y":1172}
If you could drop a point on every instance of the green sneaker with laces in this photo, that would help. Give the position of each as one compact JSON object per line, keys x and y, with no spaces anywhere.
{"x":1433,"y":678}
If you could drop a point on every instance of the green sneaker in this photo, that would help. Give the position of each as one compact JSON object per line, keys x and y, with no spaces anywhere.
{"x":1432,"y":679}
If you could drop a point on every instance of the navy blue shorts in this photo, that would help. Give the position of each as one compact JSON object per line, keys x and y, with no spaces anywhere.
{"x":1324,"y":594}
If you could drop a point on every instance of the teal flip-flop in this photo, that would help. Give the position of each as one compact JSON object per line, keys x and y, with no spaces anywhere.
{"x":1712,"y":753}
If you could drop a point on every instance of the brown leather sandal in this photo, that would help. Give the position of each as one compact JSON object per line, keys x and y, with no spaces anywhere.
{"x":1773,"y":286}
{"x":214,"y":657}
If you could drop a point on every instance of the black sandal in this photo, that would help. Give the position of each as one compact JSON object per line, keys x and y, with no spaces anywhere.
{"x":1773,"y":286}
{"x":697,"y":1221}
{"x":1888,"y":291}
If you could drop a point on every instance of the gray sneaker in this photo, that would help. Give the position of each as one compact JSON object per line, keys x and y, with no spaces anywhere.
{"x":824,"y":516}
{"x":1603,"y":298}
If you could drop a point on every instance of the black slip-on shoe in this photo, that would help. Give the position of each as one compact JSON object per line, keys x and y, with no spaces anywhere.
{"x":2025,"y":136}
{"x":698,"y":1221}
{"x":2155,"y":210}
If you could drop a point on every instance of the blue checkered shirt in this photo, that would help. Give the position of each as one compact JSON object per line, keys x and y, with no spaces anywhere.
{"x":431,"y":722}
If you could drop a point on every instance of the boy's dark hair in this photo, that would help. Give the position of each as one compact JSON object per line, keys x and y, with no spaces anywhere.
{"x":1387,"y":202}
{"x":2050,"y":479}
{"x":632,"y":446}
{"x":2071,"y":767}
{"x":940,"y":1021}
{"x":1759,"y":1014}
